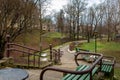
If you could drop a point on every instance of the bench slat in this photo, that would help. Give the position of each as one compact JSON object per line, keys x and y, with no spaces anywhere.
{"x":73,"y":75}
{"x":104,"y":68}
{"x":107,"y":68}
{"x":78,"y":68}
{"x":111,"y":67}
{"x":93,"y":72}
{"x":80,"y":77}
{"x":109,"y":63}
{"x":83,"y":77}
{"x":77,"y":76}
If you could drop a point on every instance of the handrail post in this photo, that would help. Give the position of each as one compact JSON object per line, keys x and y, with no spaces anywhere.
{"x":34,"y":60}
{"x":28,"y":58}
{"x":50,"y":52}
{"x":91,"y":75}
{"x":8,"y":46}
{"x":100,"y":64}
{"x":58,"y":55}
{"x":39,"y":60}
{"x":55,"y":58}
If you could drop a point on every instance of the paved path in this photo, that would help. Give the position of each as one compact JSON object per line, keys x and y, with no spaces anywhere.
{"x":67,"y":60}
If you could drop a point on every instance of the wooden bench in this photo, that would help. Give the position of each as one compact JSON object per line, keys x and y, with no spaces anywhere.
{"x":82,"y":57}
{"x":108,"y":66}
{"x":80,"y":77}
{"x":79,"y":49}
{"x":82,"y":72}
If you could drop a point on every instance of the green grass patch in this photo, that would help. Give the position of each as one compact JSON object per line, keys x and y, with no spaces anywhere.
{"x":112,"y":46}
{"x":117,"y":73}
{"x":106,"y":48}
{"x":91,"y":46}
{"x":53,"y":35}
{"x":34,"y":39}
{"x":101,"y":46}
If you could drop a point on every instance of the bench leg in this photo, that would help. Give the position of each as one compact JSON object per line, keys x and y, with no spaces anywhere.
{"x":112,"y":74}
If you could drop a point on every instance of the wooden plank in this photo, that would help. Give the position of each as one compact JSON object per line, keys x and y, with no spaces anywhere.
{"x":93,"y":72}
{"x":83,"y":76}
{"x":104,"y":68}
{"x":107,"y":63}
{"x":69,"y":75}
{"x":107,"y":68}
{"x":65,"y":77}
{"x":79,"y":67}
{"x":111,"y":67}
{"x":78,"y":76}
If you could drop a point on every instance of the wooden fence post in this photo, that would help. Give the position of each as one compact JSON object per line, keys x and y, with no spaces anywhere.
{"x":8,"y":46}
{"x":50,"y":52}
{"x":59,"y":54}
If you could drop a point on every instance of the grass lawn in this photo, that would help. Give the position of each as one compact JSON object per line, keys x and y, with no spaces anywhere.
{"x":53,"y":35}
{"x":106,"y":48}
{"x":32,"y":39}
{"x":117,"y":73}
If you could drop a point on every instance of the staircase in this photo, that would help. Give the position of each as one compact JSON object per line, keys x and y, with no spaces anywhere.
{"x":26,"y":57}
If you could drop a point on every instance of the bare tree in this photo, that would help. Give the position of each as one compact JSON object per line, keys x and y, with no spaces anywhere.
{"x":42,"y":5}
{"x":48,"y":22}
{"x":15,"y":16}
{"x":60,"y":21}
{"x":80,"y":6}
{"x":109,"y":16}
{"x":74,"y":10}
{"x":101,"y":13}
{"x":68,"y":11}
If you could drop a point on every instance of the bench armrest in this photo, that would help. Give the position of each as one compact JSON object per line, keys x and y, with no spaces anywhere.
{"x":99,"y":57}
{"x":113,"y":59}
{"x":89,"y":70}
{"x":63,"y":70}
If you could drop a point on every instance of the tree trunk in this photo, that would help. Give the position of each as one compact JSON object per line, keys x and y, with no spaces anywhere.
{"x":1,"y":54}
{"x":88,"y":37}
{"x":2,"y":49}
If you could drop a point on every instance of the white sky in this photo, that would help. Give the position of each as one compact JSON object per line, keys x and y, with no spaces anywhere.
{"x":91,"y":2}
{"x":56,"y":5}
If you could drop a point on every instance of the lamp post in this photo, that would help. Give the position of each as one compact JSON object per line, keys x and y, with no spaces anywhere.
{"x":95,"y":33}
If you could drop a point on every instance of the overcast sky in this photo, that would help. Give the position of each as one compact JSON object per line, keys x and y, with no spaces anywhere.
{"x":56,"y":5}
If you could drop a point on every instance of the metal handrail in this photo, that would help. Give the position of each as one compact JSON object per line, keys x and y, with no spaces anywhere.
{"x":75,"y":72}
{"x":13,"y":48}
{"x":15,"y":44}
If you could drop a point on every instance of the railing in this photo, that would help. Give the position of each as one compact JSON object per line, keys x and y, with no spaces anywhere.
{"x":23,"y":55}
{"x":97,"y":61}
{"x":55,"y":55}
{"x":28,"y":56}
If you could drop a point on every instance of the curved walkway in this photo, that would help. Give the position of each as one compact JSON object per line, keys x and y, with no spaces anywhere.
{"x":67,"y":61}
